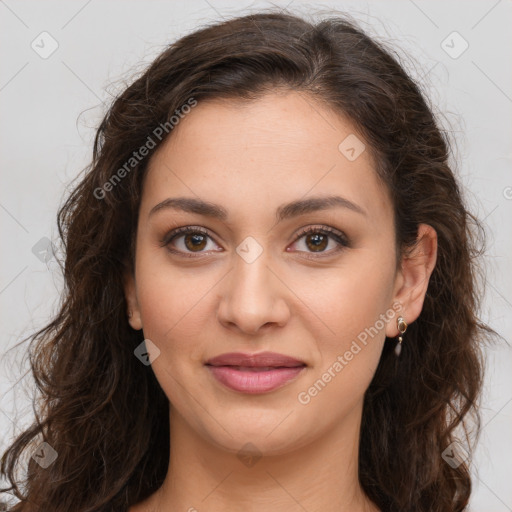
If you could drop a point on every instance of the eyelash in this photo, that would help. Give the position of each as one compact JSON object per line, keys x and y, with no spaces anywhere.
{"x":338,"y":236}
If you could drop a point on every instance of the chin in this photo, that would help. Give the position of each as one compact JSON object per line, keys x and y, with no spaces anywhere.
{"x":264,"y":439}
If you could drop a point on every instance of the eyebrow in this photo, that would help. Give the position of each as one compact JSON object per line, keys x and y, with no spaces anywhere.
{"x":285,"y":211}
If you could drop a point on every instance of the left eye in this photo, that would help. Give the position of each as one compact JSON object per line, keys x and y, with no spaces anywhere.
{"x":187,"y":240}
{"x":317,"y":240}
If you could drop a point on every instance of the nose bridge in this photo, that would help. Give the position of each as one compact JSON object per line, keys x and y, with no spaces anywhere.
{"x":251,"y":296}
{"x":251,"y":275}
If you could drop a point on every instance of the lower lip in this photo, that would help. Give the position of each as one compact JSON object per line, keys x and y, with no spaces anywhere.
{"x":254,"y":381}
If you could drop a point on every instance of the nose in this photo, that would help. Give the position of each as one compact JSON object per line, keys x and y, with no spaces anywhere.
{"x":253,"y":297}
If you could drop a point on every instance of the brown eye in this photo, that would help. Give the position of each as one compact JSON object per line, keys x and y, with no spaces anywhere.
{"x":187,"y":240}
{"x":195,"y":241}
{"x":317,"y":240}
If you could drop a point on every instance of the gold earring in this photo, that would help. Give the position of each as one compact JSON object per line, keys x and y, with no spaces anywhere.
{"x":402,"y":327}
{"x":129,"y":313}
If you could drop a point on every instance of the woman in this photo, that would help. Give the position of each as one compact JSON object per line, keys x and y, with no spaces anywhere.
{"x":271,"y":298}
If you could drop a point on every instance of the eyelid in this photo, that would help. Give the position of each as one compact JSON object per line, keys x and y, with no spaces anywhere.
{"x":184,"y":230}
{"x":333,"y":232}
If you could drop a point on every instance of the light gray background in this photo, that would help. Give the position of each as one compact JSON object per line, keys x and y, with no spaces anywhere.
{"x":50,"y":108}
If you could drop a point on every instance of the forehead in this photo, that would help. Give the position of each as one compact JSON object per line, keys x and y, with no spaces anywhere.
{"x":266,"y":152}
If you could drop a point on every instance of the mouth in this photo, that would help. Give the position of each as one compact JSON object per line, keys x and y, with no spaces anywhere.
{"x":255,"y":379}
{"x":257,"y":373}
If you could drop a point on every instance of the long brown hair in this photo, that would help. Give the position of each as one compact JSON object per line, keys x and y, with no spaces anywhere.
{"x":105,"y":414}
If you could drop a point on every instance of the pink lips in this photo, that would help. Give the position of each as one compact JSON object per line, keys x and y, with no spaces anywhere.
{"x":256,"y":373}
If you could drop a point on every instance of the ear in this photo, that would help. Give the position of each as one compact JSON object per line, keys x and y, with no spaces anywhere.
{"x":130,"y":292}
{"x":413,"y":277}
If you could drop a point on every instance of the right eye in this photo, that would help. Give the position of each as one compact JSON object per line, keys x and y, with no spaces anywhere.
{"x":189,"y":239}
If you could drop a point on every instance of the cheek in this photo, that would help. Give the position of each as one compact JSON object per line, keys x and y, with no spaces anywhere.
{"x":170,"y":309}
{"x":349,"y":309}
{"x":172,"y":304}
{"x":350,"y":339}
{"x":348,"y":299}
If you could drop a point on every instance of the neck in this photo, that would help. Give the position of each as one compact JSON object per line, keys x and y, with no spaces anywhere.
{"x":317,"y":476}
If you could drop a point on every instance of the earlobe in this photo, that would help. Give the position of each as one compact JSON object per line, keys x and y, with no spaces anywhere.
{"x":416,"y":268}
{"x":133,"y":312}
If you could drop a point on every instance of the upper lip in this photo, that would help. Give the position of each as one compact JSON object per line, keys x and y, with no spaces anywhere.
{"x":255,"y":360}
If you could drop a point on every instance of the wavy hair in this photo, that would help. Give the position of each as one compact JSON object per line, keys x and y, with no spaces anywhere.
{"x":83,"y":361}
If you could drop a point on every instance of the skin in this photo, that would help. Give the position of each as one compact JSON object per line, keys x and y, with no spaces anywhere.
{"x":250,"y":158}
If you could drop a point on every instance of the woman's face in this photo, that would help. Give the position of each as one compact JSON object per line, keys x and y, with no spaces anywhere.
{"x":246,"y":279}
